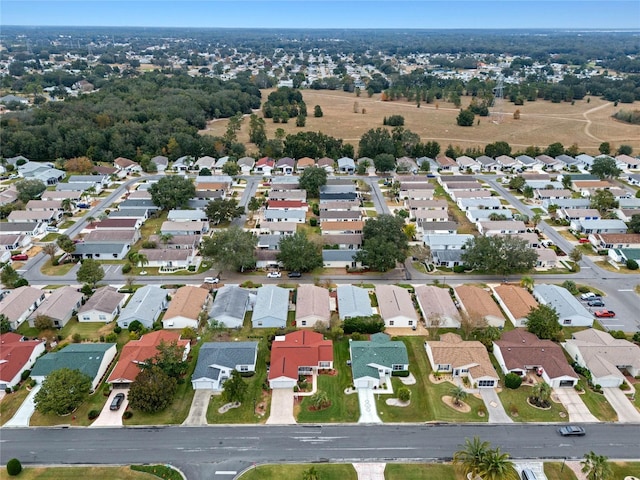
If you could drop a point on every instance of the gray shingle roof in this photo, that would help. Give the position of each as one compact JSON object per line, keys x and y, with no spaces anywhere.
{"x":353,"y":302}
{"x":224,"y":354}
{"x":145,"y":305}
{"x":230,"y":306}
{"x":272,"y":305}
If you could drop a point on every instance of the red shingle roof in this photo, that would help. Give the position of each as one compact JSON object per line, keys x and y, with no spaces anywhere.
{"x":14,"y":354}
{"x":298,"y":349}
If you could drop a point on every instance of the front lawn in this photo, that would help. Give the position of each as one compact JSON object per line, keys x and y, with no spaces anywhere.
{"x":77,"y":473}
{"x":10,"y":404}
{"x":245,"y":413}
{"x":637,"y":396}
{"x":78,"y":418}
{"x":62,"y":269}
{"x":426,"y":397}
{"x":278,"y":472}
{"x":344,"y":408}
{"x":623,"y":469}
{"x":421,"y":471}
{"x":558,"y":471}
{"x":598,"y":405}
{"x":515,"y":401}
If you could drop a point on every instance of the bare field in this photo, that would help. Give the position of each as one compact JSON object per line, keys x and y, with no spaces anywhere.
{"x":541,"y":122}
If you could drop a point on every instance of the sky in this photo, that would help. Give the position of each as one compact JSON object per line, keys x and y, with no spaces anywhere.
{"x":428,"y":14}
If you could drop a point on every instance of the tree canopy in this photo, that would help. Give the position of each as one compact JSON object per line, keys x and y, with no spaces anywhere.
{"x":543,"y":321}
{"x":384,"y":162}
{"x":30,"y":189}
{"x":152,"y":390}
{"x":62,"y":391}
{"x":384,"y":243}
{"x":172,"y":192}
{"x":312,"y":179}
{"x":235,"y":388}
{"x":90,"y":272}
{"x":232,"y":249}
{"x":375,"y":142}
{"x":603,"y":201}
{"x":605,"y":167}
{"x":497,"y":254}
{"x":223,"y":210}
{"x":298,"y":253}
{"x":168,"y":359}
{"x":315,"y":145}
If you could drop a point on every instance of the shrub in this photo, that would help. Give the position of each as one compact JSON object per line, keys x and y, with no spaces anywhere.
{"x":127,"y":414}
{"x":400,"y":373}
{"x":372,"y":324}
{"x":458,"y":269}
{"x":117,"y":329}
{"x":136,"y":326}
{"x":14,"y":467}
{"x":126,"y":268}
{"x":313,"y":222}
{"x":632,"y":264}
{"x":8,"y":390}
{"x":624,"y":386}
{"x":77,"y":338}
{"x":583,"y":289}
{"x":404,"y":394}
{"x":111,"y":337}
{"x":86,"y":289}
{"x":25,"y":375}
{"x":512,"y":381}
{"x":571,"y":286}
{"x":579,"y":386}
{"x":619,"y":334}
{"x":93,"y":414}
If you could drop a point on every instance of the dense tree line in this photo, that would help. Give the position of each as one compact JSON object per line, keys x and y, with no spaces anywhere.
{"x":153,"y":114}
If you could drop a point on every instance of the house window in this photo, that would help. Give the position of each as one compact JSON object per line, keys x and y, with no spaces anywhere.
{"x":303,"y":323}
{"x":86,"y":318}
{"x":244,"y":368}
{"x":567,"y":321}
{"x":102,"y":317}
{"x":324,"y":364}
{"x":391,"y":323}
{"x":398,"y":367}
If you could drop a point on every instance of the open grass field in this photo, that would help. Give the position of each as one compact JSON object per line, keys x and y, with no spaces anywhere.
{"x":78,"y":473}
{"x":278,"y":472}
{"x":585,"y":123}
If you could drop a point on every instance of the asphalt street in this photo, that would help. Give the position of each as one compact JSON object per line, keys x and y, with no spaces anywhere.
{"x":243,"y":446}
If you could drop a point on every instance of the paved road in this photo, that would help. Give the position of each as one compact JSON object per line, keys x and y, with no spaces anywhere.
{"x":340,"y":443}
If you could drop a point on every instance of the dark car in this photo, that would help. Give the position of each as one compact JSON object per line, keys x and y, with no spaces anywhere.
{"x":605,"y":314}
{"x":572,"y":431}
{"x":294,"y":274}
{"x":20,"y":257}
{"x":117,"y":401}
{"x":595,"y":303}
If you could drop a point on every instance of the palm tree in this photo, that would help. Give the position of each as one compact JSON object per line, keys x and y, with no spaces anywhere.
{"x":527,"y":282}
{"x":468,"y":459}
{"x":458,"y":394}
{"x":535,"y":220}
{"x":495,"y":465}
{"x":320,"y":399}
{"x":142,"y":260}
{"x":133,"y":257}
{"x":66,"y":204}
{"x":90,"y":220}
{"x":596,"y":467}
{"x":165,"y":238}
{"x":541,"y":392}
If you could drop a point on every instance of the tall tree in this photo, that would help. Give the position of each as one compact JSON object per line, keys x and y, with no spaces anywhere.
{"x":235,"y":388}
{"x":90,"y":272}
{"x":253,"y":206}
{"x":375,"y":142}
{"x":605,"y":167}
{"x":312,"y":179}
{"x":384,"y":243}
{"x":543,"y":321}
{"x":232,"y":249}
{"x":5,"y":324}
{"x":223,"y":210}
{"x":29,"y":189}
{"x":596,"y":467}
{"x":634,"y":223}
{"x":62,"y":391}
{"x":502,"y":255}
{"x":496,"y":465}
{"x":172,"y":192}
{"x":458,"y":394}
{"x":66,"y":244}
{"x":50,"y":249}
{"x":298,"y":253}
{"x":465,"y":118}
{"x":469,"y":458}
{"x":603,"y":201}
{"x":384,"y":162}
{"x":152,"y":390}
{"x":169,"y":359}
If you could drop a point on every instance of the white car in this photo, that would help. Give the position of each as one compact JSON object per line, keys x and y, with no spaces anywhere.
{"x":274,"y":275}
{"x":211,"y":280}
{"x":589,"y":296}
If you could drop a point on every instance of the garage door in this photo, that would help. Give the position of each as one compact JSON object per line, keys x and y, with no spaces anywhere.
{"x":566,"y":383}
{"x":203,"y":385}
{"x":282,"y":383}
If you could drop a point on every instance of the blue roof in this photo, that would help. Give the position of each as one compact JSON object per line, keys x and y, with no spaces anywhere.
{"x":213,"y":355}
{"x":353,"y":302}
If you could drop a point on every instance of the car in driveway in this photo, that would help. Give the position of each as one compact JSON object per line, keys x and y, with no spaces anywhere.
{"x":274,"y":275}
{"x":212,"y":280}
{"x":116,"y":403}
{"x":572,"y":431}
{"x":589,"y":296}
{"x":605,"y":313}
{"x":21,"y":257}
{"x":595,"y":303}
{"x":294,"y":274}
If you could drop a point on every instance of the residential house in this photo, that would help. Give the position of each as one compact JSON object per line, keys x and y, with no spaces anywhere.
{"x":217,"y":360}
{"x":515,"y":301}
{"x":92,"y":359}
{"x":570,"y":311}
{"x":287,"y":205}
{"x":410,"y":191}
{"x":14,"y":241}
{"x":525,"y":161}
{"x":338,"y":193}
{"x":605,"y":241}
{"x":312,"y":306}
{"x":604,"y":356}
{"x":170,"y":259}
{"x":552,"y":194}
{"x":627,"y":162}
{"x":145,"y":305}
{"x":184,"y":228}
{"x":230,"y":306}
{"x":284,"y":183}
{"x":487,"y":164}
{"x":353,"y":302}
{"x":447,"y":258}
{"x":187,"y":216}
{"x":99,"y":182}
{"x":286,"y":165}
{"x":56,"y":195}
{"x":506,"y":162}
{"x":488,"y":203}
{"x":623,"y":255}
{"x":340,"y":216}
{"x":585,"y":161}
{"x":205,"y":162}
{"x":547,"y":258}
{"x":44,"y":206}
{"x":185,"y":307}
{"x":136,"y":352}
{"x":346,"y":165}
{"x":340,"y":258}
{"x":264,"y":166}
{"x":567,"y":161}
{"x":339,"y":228}
{"x":220,"y":163}
{"x":278,"y":215}
{"x":589,"y":187}
{"x":305,"y":162}
{"x":396,"y":306}
{"x":566,"y":203}
{"x":423,"y":205}
{"x":103,"y":306}
{"x":634,"y":179}
{"x":571,"y":214}
{"x":128,"y":237}
{"x":18,"y":304}
{"x":271,"y":307}
{"x":458,"y":194}
{"x":60,"y":306}
{"x":446,"y":164}
{"x":246,"y":164}
{"x":126,"y":167}
{"x":343,"y":242}
{"x":9,"y":195}
{"x":437,"y":307}
{"x":326,"y":163}
{"x":101,"y":250}
{"x":31,"y":229}
{"x":501,"y":227}
{"x":521,"y":352}
{"x":462,"y":359}
{"x":482,"y":215}
{"x":549,"y":163}
{"x":435,"y":228}
{"x":38,"y":217}
{"x":468,"y":164}
{"x":278,"y":228}
{"x":479,"y":305}
{"x":161,"y":162}
{"x":17,"y":354}
{"x":406,"y":164}
{"x":138,"y":203}
{"x":179,"y":242}
{"x":289,"y":194}
{"x":140,"y":214}
{"x":599,"y":226}
{"x":373,"y":362}
{"x":299,"y":353}
{"x":118,"y":224}
{"x":41,"y":171}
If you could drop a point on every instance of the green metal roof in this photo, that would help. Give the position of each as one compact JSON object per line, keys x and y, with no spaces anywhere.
{"x":85,"y":357}
{"x":630,"y":253}
{"x":380,"y":350}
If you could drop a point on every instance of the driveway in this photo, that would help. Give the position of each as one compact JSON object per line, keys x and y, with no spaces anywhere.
{"x":23,"y":415}
{"x":577,"y":410}
{"x":281,"y":407}
{"x":367,"y":401}
{"x":370,"y":471}
{"x":627,"y":412}
{"x":198,"y":411}
{"x":497,"y":413}
{"x":108,"y":418}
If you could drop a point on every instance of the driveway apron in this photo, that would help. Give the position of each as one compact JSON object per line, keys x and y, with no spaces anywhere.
{"x":368,"y":412}
{"x":577,"y":410}
{"x":370,"y":471}
{"x":108,"y":418}
{"x":281,"y":407}
{"x":198,"y":411}
{"x":497,"y":413}
{"x":627,"y":412}
{"x":23,"y":415}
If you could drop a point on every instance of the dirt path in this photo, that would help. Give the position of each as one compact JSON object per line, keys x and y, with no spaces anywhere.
{"x":588,"y":125}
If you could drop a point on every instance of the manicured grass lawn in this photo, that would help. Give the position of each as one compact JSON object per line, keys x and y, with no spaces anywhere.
{"x":344,"y":408}
{"x":420,"y":471}
{"x":88,"y":330}
{"x":152,"y":226}
{"x":623,"y":469}
{"x":598,"y":405}
{"x":555,"y":471}
{"x":10,"y":404}
{"x":279,"y":472}
{"x":637,"y":399}
{"x":79,"y":473}
{"x":526,"y":413}
{"x":77,"y":418}
{"x":426,"y":397}
{"x":245,"y":413}
{"x":50,"y":237}
{"x":62,"y":269}
{"x":67,"y":224}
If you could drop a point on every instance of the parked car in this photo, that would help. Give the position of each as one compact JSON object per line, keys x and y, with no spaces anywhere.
{"x":294,"y":274}
{"x":83,"y":205}
{"x":274,"y":275}
{"x":20,"y":257}
{"x":52,"y":229}
{"x":211,"y":280}
{"x":572,"y":431}
{"x":605,"y":313}
{"x":595,"y":303}
{"x":583,"y":240}
{"x":117,"y":401}
{"x":589,"y":296}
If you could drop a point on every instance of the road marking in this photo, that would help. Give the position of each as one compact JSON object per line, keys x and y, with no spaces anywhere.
{"x":225,"y":472}
{"x":625,"y":290}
